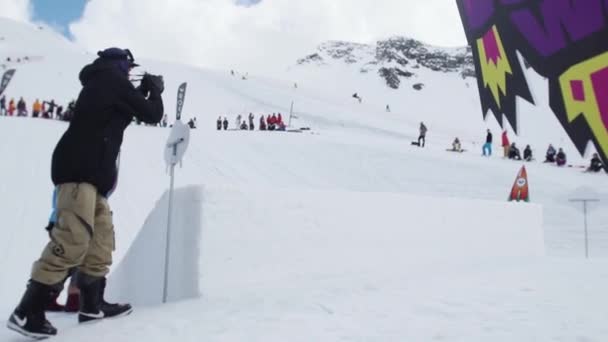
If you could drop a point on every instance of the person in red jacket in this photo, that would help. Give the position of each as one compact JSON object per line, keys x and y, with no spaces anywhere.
{"x":505,"y":144}
{"x":272,"y":122}
{"x":279,"y":119}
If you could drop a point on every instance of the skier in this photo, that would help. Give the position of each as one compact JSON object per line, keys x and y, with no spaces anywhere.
{"x":488,"y":145}
{"x":422,"y":136}
{"x":84,"y":171}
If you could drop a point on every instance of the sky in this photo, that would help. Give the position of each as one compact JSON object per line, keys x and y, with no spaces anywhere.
{"x":58,"y":17}
{"x":247,"y":35}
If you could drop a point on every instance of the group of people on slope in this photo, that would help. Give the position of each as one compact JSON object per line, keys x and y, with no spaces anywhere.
{"x":43,"y":109}
{"x":511,"y":151}
{"x":272,"y":122}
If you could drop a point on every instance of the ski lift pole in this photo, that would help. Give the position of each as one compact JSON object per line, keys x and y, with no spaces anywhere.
{"x":290,"y":114}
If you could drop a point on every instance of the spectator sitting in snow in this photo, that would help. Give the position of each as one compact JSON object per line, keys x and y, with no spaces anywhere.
{"x":550,"y":156}
{"x":514,"y":152}
{"x":528,"y":153}
{"x":560,"y":158}
{"x":244,"y":126}
{"x":271,"y":122}
{"x":262,"y":123}
{"x":596,"y":164}
{"x":456,"y":146}
{"x":281,"y":126}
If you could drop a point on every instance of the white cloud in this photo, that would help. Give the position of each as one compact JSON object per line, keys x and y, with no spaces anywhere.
{"x":274,"y":33}
{"x":20,"y":10}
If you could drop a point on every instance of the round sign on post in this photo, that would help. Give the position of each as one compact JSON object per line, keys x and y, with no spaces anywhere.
{"x":175,"y":149}
{"x":177,"y":144}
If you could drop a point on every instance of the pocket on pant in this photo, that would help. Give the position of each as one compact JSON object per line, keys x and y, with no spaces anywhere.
{"x":70,"y":236}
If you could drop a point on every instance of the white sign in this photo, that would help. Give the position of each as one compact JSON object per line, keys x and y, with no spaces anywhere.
{"x":177,"y":144}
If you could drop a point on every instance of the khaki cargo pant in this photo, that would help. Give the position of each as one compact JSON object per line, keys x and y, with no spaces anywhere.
{"x":83,"y":236}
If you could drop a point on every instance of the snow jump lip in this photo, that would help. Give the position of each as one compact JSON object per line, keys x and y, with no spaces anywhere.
{"x":138,"y":278}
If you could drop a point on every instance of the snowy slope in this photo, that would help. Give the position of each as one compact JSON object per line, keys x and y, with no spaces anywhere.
{"x":322,"y":235}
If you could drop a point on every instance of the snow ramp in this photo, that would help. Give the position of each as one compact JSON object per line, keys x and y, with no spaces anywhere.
{"x":227,"y":241}
{"x":139,"y":277}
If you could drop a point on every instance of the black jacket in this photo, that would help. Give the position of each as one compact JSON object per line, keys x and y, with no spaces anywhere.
{"x":88,"y":150}
{"x":527,"y":153}
{"x":489,"y":138}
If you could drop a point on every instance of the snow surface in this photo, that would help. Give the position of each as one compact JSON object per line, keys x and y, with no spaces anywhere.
{"x":342,"y":233}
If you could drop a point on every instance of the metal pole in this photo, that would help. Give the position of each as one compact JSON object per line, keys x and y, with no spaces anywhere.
{"x":584,"y":201}
{"x":169,"y":218}
{"x":586,"y":232}
{"x":168,"y":240}
{"x":290,"y":113}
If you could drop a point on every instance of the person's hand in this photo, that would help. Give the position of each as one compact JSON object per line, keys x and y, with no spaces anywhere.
{"x":142,"y":89}
{"x":154,"y":83}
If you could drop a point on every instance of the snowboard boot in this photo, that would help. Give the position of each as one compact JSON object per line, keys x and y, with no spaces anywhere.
{"x":28,"y":318}
{"x":53,"y":306}
{"x":93,"y":306}
{"x":72,"y":303}
{"x":113,"y":309}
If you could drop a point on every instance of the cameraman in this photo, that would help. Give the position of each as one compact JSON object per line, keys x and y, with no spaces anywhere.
{"x":84,"y":172}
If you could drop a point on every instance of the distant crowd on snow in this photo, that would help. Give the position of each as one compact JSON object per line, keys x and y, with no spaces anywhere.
{"x":269,"y":122}
{"x":39,"y":109}
{"x":51,"y":110}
